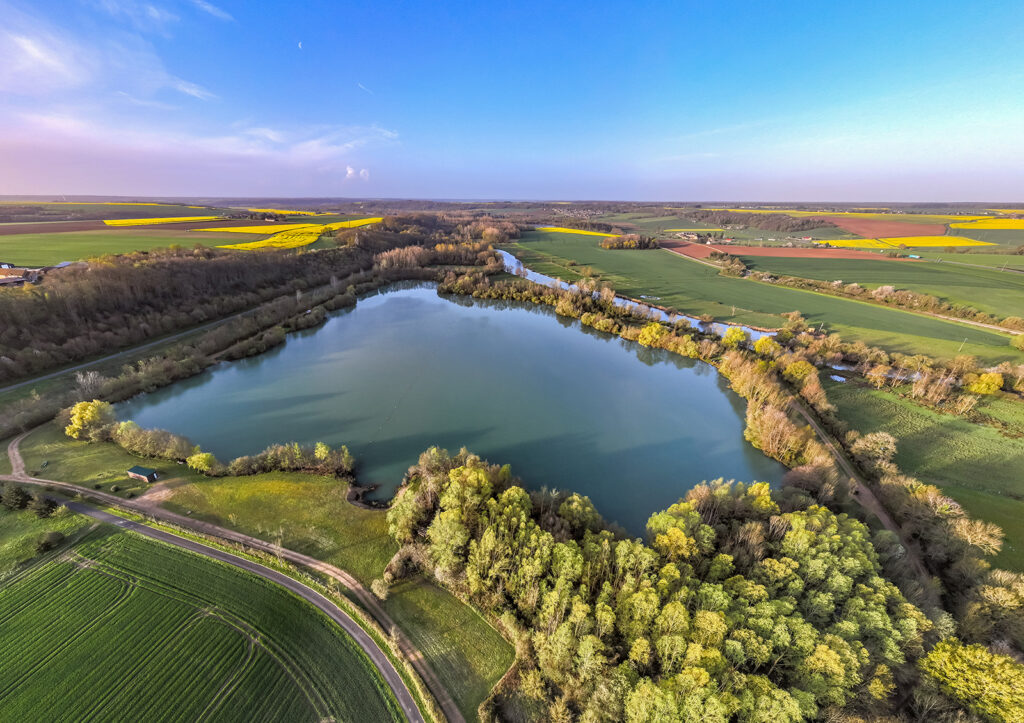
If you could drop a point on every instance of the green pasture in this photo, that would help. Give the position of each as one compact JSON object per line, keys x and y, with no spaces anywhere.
{"x":696,"y":288}
{"x":977,"y":464}
{"x":987,"y":290}
{"x":48,"y":249}
{"x":20,"y":531}
{"x":130,"y":629}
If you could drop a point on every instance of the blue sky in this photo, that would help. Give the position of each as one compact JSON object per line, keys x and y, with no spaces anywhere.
{"x":526,"y":100}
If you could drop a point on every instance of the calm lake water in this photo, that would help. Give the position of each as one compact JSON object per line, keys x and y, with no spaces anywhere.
{"x":633,"y":428}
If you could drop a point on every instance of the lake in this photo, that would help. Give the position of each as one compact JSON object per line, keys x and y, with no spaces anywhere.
{"x":568,"y":407}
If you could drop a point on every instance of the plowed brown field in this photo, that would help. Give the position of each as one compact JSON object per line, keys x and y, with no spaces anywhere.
{"x":701,"y":251}
{"x":870,"y":228}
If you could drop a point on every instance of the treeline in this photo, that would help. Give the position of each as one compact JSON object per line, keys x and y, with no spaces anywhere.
{"x":744,"y":604}
{"x":95,"y":421}
{"x":630,"y":241}
{"x":891,"y":296}
{"x":765,"y":221}
{"x":731,"y":265}
{"x":474,"y":253}
{"x":255,"y":332}
{"x":126,"y":300}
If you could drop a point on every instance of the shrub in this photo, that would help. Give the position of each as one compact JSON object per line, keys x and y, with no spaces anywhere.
{"x":49,"y":541}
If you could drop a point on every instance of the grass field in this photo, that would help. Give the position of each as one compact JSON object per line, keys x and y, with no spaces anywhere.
{"x":305,"y":513}
{"x":696,"y":288}
{"x":465,"y":652}
{"x":19,"y":532}
{"x":974,"y":463}
{"x":50,"y":454}
{"x":47,"y":249}
{"x":5,"y":463}
{"x":988,"y":290}
{"x":126,"y":628}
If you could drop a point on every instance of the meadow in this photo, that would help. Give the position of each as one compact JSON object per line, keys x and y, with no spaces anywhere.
{"x":696,"y":288}
{"x":988,"y":290}
{"x":124,"y":627}
{"x":976,"y":464}
{"x":48,"y":249}
{"x":309,"y":514}
{"x":20,"y":531}
{"x":976,"y":257}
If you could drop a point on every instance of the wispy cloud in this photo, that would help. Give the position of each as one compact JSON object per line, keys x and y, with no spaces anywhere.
{"x":363,"y":87}
{"x":192,"y":89}
{"x":143,"y":16}
{"x":212,"y":10}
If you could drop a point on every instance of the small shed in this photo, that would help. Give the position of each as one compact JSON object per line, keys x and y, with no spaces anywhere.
{"x":145,"y":474}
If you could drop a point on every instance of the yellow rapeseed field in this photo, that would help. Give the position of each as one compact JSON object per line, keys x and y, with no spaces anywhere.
{"x":299,"y":237}
{"x":151,"y":221}
{"x":894,"y":242}
{"x":561,"y":229}
{"x":260,"y":229}
{"x":994,"y":224}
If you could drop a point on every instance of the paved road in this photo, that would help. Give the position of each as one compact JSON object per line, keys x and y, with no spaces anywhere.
{"x":335,"y":613}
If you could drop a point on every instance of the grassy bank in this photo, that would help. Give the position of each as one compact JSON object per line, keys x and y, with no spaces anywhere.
{"x":987,"y":290}
{"x":309,"y":514}
{"x":696,"y":288}
{"x":140,"y":627}
{"x":976,"y":464}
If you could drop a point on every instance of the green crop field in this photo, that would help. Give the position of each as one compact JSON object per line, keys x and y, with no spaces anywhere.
{"x":121,"y":627}
{"x":695,"y":288}
{"x":975,"y":464}
{"x":988,"y":290}
{"x":310,"y":514}
{"x":976,"y":257}
{"x":1003,"y":237}
{"x":465,"y":652}
{"x":47,"y":249}
{"x":305,"y":513}
{"x":657,"y":225}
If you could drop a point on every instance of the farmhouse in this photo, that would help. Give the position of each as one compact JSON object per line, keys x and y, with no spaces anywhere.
{"x":144,"y":474}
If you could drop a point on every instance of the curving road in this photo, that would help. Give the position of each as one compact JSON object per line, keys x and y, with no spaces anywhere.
{"x":335,"y":613}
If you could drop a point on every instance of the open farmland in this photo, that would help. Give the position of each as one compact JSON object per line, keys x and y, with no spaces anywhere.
{"x":1002,"y":237}
{"x":156,"y":221}
{"x":984,"y":289}
{"x":695,"y":288}
{"x":992,"y":224}
{"x":893,"y":243}
{"x":873,"y":228}
{"x":974,"y":463}
{"x":47,"y":249}
{"x":703,"y":251}
{"x":124,"y":627}
{"x":976,"y":258}
{"x":309,"y":514}
{"x":300,"y":235}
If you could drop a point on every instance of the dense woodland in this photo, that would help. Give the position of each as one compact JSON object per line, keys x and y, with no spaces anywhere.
{"x":767,"y":221}
{"x":744,"y":605}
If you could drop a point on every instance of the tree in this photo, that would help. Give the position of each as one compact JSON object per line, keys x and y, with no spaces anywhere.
{"x":652,"y":334}
{"x":14,"y":497}
{"x":203,"y":462}
{"x":42,"y":505}
{"x":735,"y":337}
{"x":983,"y":682}
{"x":89,"y":419}
{"x":987,"y":383}
{"x":767,"y":347}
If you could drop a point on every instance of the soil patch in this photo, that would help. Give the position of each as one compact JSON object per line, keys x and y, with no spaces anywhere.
{"x":871,"y":228}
